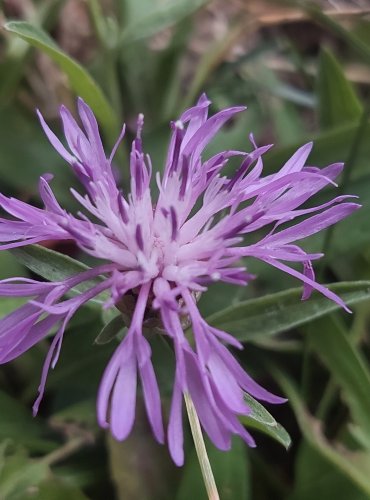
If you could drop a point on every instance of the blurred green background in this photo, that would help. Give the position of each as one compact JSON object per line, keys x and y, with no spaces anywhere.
{"x":303,"y":70}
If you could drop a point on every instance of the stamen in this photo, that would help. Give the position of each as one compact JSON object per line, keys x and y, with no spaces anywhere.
{"x":185,"y":176}
{"x":118,"y":142}
{"x":235,"y":231}
{"x":179,"y":135}
{"x":121,"y":208}
{"x":164,"y":211}
{"x":174,"y":223}
{"x":137,"y":170}
{"x":139,"y":237}
{"x":240,"y":172}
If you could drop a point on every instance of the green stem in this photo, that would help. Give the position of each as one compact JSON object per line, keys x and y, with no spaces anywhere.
{"x":205,"y":466}
{"x":69,"y":448}
{"x":326,"y":400}
{"x":98,"y":21}
{"x":306,"y":369}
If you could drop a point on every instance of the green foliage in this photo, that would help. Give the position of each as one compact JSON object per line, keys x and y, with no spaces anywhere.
{"x":231,"y":471}
{"x":58,"y":490}
{"x":329,"y":146}
{"x":19,"y":473}
{"x":156,"y":57}
{"x":346,"y":364}
{"x":80,"y":80}
{"x":278,"y":312}
{"x":155,"y":17}
{"x":18,"y":425}
{"x":21,"y":166}
{"x":317,"y":478}
{"x":338,"y":102}
{"x":47,"y":263}
{"x":110,"y":330}
{"x":261,"y":420}
{"x":55,"y":266}
{"x":354,"y":464}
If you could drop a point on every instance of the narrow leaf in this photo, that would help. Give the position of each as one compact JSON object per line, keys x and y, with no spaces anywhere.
{"x":17,"y":424}
{"x":354,"y":464}
{"x":80,"y":80}
{"x":329,"y":145}
{"x":261,"y":420}
{"x":55,"y":266}
{"x":163,"y":16}
{"x":337,"y":100}
{"x":281,"y":311}
{"x":346,"y":364}
{"x":110,"y":330}
{"x":57,"y":489}
{"x":18,"y":473}
{"x":315,"y":477}
{"x":47,"y":263}
{"x":328,"y":22}
{"x":8,"y":304}
{"x":360,"y":435}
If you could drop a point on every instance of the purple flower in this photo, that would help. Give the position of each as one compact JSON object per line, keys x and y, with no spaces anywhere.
{"x":165,"y":253}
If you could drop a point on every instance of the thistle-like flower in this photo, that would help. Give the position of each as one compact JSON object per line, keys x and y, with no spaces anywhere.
{"x":165,"y":253}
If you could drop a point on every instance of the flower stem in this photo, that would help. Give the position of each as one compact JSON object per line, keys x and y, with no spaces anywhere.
{"x":67,"y":449}
{"x":205,"y":466}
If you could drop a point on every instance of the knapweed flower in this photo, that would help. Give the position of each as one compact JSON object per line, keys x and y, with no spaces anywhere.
{"x":164,"y":253}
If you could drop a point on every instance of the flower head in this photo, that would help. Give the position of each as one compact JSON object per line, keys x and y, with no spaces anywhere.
{"x":165,"y":252}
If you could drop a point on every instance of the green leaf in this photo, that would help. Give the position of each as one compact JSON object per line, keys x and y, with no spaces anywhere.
{"x":20,"y":167}
{"x":9,"y":267}
{"x":353,"y":233}
{"x":261,"y":420}
{"x":281,"y":311}
{"x":328,"y":22}
{"x":337,"y":100}
{"x":18,"y":473}
{"x":55,"y":266}
{"x":270,"y":83}
{"x":82,"y":413}
{"x":110,"y":330}
{"x":157,"y":16}
{"x":51,"y":265}
{"x":288,"y":124}
{"x":329,"y":146}
{"x":231,"y":471}
{"x":15,"y":55}
{"x":317,"y":478}
{"x":9,"y":304}
{"x":56,"y":489}
{"x":81,"y":365}
{"x":345,"y":363}
{"x":360,"y":435}
{"x":355,"y":465}
{"x":81,"y":82}
{"x":17,"y":424}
